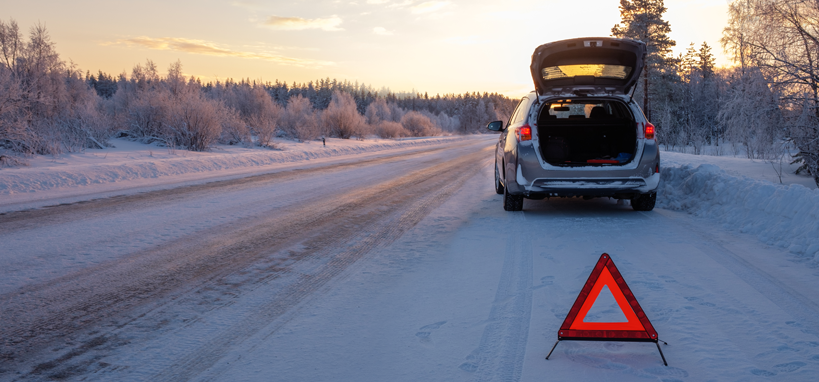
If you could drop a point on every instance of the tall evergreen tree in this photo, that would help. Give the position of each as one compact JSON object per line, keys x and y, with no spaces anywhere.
{"x":643,"y":20}
{"x":707,"y":63}
{"x":688,"y":62}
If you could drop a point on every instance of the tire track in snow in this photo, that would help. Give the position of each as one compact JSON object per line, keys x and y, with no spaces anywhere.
{"x":67,"y":212}
{"x":38,"y":313}
{"x":111,"y":299}
{"x":733,"y":306}
{"x":377,"y":233}
{"x":499,"y":357}
{"x":788,"y":299}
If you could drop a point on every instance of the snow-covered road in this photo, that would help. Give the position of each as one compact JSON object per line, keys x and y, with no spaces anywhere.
{"x":392,"y":268}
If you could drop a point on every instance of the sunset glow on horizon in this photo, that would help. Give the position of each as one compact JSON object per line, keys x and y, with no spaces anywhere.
{"x":435,"y":46}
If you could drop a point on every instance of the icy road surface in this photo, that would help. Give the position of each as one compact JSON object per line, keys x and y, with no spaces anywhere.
{"x":396,"y":268}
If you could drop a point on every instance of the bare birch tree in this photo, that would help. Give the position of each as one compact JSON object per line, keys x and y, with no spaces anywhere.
{"x":781,"y":38}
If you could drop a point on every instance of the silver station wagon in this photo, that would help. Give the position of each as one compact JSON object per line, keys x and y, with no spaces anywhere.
{"x":580,"y":133}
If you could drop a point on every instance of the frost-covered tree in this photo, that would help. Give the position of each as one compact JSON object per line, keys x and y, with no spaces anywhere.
{"x":696,"y":99}
{"x":378,"y":111}
{"x":419,"y":125}
{"x":45,"y":105}
{"x":341,"y":118}
{"x":266,"y":117}
{"x":300,"y":120}
{"x":235,"y":130}
{"x":171,"y":109}
{"x":781,"y":39}
{"x":193,"y":121}
{"x":256,"y":109}
{"x":750,"y":113}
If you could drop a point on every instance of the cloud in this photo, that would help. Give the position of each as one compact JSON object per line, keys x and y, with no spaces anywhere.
{"x":211,"y":49}
{"x":297,"y":23}
{"x":429,"y":6}
{"x":382,"y":31}
{"x":377,"y":1}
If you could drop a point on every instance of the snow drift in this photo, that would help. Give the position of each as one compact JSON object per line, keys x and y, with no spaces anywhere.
{"x":779,"y":215}
{"x":31,"y":180}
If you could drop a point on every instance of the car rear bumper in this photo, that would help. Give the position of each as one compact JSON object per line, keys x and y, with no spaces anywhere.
{"x":534,"y":180}
{"x":620,"y":188}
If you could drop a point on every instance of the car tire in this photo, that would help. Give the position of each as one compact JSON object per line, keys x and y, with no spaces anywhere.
{"x":512,"y":202}
{"x":644,"y":202}
{"x":498,"y":185}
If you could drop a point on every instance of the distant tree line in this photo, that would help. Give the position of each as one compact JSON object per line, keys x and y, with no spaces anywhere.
{"x":766,"y":103}
{"x":49,"y":107}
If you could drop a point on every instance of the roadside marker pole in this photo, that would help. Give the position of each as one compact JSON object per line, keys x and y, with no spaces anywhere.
{"x":637,"y":328}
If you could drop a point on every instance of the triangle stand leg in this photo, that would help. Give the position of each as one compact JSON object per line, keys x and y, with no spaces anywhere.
{"x":658,"y":348}
{"x":553,"y":349}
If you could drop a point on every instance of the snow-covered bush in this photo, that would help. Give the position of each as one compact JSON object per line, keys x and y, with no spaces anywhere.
{"x":194,"y":122}
{"x":266,"y":118}
{"x":396,"y":112}
{"x":378,"y":111}
{"x":390,"y":129}
{"x":170,"y":109}
{"x":255,"y":106}
{"x":234,"y":129}
{"x":341,"y":118}
{"x":300,"y":120}
{"x":449,"y":124}
{"x":144,"y":113}
{"x":419,"y":125}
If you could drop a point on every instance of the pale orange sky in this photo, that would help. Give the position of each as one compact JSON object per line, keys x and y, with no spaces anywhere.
{"x":434,"y":46}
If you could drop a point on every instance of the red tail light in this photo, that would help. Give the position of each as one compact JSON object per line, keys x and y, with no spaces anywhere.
{"x":524,"y":133}
{"x":649,"y":133}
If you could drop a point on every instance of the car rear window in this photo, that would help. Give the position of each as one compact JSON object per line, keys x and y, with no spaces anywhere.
{"x":585,"y":109}
{"x":586,"y":70}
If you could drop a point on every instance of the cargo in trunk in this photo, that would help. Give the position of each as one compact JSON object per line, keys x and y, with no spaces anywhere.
{"x":576,"y":132}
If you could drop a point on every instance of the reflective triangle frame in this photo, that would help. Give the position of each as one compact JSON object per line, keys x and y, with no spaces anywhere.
{"x":637,"y":328}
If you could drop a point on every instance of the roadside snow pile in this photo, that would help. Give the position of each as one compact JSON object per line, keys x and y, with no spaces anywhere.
{"x":141,"y":163}
{"x":779,"y":215}
{"x":774,"y":172}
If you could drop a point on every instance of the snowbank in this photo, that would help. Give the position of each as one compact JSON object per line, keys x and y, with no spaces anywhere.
{"x":779,"y":215}
{"x":739,"y":166}
{"x":140,"y":162}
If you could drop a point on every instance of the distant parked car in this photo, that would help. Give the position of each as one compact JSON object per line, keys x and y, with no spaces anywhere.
{"x":580,"y":133}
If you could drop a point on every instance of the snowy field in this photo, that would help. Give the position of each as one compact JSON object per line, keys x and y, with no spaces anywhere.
{"x":393,"y":260}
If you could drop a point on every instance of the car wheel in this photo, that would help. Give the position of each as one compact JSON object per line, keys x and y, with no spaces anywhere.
{"x":498,"y":185}
{"x":512,"y":202}
{"x":644,"y":202}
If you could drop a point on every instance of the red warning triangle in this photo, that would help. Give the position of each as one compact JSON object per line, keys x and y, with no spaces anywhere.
{"x":636,"y":328}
